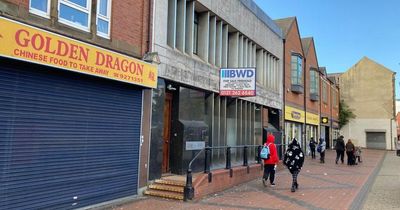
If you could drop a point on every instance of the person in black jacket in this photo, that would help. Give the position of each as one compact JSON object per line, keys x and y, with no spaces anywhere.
{"x":294,"y":159}
{"x":339,"y":147}
{"x":312,"y":145}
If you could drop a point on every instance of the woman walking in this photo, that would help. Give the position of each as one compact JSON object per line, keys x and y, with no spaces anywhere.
{"x":294,"y":159}
{"x":350,"y":152}
{"x":321,"y":149}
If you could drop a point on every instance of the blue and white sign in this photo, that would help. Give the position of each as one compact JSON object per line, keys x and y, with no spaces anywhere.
{"x":237,"y":82}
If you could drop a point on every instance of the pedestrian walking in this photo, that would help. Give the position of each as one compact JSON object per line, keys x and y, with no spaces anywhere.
{"x":398,"y":148}
{"x":271,"y":162}
{"x":321,"y":149}
{"x":339,"y":147}
{"x":294,"y":159}
{"x":357,"y":155}
{"x":312,"y":145}
{"x":350,"y":152}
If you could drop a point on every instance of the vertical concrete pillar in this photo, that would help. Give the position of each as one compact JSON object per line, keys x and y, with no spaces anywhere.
{"x":277,"y":75}
{"x":171,"y":34}
{"x":189,"y":27}
{"x":265,"y":70}
{"x":260,"y":66}
{"x":212,"y":40}
{"x":254,"y":55}
{"x":249,"y":53}
{"x":224,"y":62}
{"x":245,"y":45}
{"x":271,"y":72}
{"x":218,"y":44}
{"x":240,"y":54}
{"x":180,"y":25}
{"x":233,"y":57}
{"x":280,"y":69}
{"x":271,"y":65}
{"x":203,"y":35}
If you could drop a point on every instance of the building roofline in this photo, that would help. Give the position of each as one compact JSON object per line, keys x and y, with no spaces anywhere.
{"x":260,"y":14}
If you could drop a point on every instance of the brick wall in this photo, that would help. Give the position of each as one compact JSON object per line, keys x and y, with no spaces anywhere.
{"x":311,"y":62}
{"x":335,"y":107}
{"x":325,"y":107}
{"x":129,"y":24}
{"x":292,"y":45}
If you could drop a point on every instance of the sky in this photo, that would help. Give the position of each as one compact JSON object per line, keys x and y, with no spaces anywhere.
{"x":344,"y":31}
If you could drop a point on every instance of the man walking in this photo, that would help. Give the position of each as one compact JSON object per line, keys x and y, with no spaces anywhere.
{"x":340,"y":149}
{"x":312,"y":147}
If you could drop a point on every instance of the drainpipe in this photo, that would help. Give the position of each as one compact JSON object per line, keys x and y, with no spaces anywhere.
{"x":305,"y":103}
{"x":331,"y":118}
{"x":320,"y":103}
{"x":284,"y":95}
{"x":394,"y":110}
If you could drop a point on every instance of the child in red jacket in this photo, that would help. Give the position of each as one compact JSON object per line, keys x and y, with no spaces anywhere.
{"x":270,"y":164}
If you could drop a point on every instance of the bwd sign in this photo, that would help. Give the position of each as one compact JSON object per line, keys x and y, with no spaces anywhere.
{"x":237,"y":82}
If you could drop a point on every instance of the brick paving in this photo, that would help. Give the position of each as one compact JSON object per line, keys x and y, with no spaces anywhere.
{"x":321,"y":186}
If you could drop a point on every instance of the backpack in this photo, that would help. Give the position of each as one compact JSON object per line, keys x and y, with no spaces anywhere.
{"x":265,"y":153}
{"x":319,"y":148}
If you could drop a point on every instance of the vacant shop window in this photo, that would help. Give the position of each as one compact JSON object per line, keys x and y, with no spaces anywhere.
{"x":297,"y":64}
{"x":75,"y":13}
{"x":103,"y":18}
{"x":40,"y":7}
{"x":196,"y":32}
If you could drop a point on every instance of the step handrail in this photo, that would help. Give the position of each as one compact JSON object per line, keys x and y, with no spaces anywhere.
{"x":189,"y":190}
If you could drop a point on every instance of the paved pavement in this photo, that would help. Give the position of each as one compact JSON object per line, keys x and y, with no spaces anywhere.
{"x":321,"y":186}
{"x":385,"y":192}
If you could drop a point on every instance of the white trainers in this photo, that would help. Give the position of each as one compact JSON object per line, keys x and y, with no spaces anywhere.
{"x":263,"y":181}
{"x":272,"y":184}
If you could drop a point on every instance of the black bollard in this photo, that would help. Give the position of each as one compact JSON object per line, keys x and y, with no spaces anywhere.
{"x":245,"y":156}
{"x":207,"y":160}
{"x":188,"y":191}
{"x":228,"y":158}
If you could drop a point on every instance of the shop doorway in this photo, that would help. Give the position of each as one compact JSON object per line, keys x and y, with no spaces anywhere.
{"x":167,"y":132}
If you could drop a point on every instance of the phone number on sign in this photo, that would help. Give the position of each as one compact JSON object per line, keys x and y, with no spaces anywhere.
{"x":237,"y":93}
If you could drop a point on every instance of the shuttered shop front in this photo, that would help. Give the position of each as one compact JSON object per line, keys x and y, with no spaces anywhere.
{"x":67,"y":140}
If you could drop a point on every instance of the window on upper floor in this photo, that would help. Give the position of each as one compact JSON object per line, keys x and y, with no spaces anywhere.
{"x":40,"y":7}
{"x":75,"y":13}
{"x":334,"y":98}
{"x":314,"y":82}
{"x":103,"y":18}
{"x":325,"y":92}
{"x":196,"y":32}
{"x":296,"y":75}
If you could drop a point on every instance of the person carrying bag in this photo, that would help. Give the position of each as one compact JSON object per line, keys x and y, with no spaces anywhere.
{"x":270,"y":160}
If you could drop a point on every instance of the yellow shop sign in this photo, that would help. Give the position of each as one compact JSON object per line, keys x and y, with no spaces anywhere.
{"x":27,"y":43}
{"x":312,"y":119}
{"x":294,"y":114}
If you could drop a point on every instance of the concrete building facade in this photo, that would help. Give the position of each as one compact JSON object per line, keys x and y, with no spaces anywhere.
{"x":368,"y":89}
{"x":195,"y":39}
{"x":75,"y":89}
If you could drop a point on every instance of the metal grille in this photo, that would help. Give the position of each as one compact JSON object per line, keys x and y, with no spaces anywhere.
{"x":66,"y":140}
